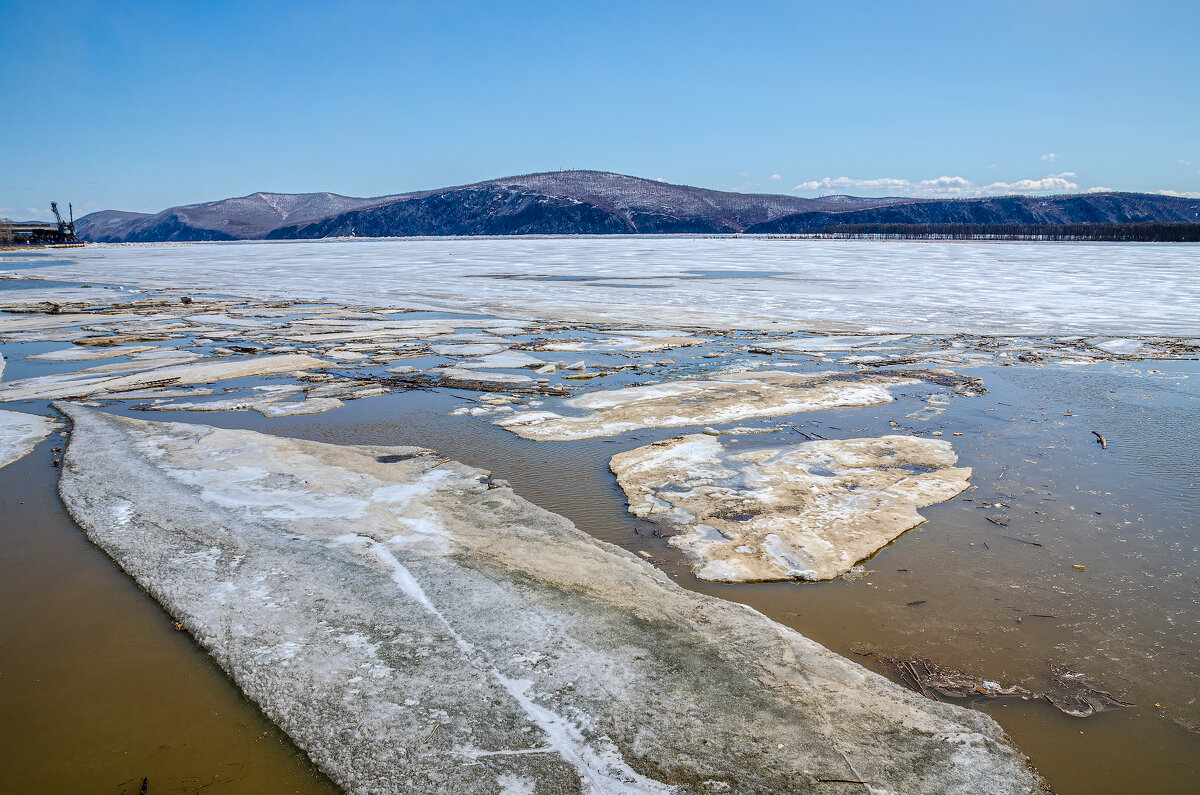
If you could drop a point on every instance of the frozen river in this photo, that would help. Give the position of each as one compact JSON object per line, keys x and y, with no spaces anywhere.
{"x":1063,"y":558}
{"x":935,"y":287}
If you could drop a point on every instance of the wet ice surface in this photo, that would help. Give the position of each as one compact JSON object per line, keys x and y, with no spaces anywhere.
{"x":807,"y":511}
{"x":889,"y":286}
{"x":20,"y":433}
{"x":723,"y":398}
{"x":372,"y":597}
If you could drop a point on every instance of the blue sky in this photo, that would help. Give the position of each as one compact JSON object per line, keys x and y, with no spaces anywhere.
{"x":145,"y":105}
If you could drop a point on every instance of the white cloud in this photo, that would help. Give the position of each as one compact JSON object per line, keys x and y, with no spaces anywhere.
{"x":1187,"y":194}
{"x":941,"y":187}
{"x":26,"y":214}
{"x":846,"y":183}
{"x":776,"y":176}
{"x":1099,"y":189}
{"x":1056,"y":183}
{"x":1051,"y":156}
{"x":1184,"y":162}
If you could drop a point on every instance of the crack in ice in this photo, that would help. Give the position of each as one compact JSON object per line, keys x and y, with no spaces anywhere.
{"x":600,"y":772}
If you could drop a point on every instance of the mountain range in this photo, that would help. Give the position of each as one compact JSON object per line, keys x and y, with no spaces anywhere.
{"x":595,"y":202}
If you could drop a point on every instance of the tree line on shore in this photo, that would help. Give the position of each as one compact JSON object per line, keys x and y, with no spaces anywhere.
{"x":1150,"y":232}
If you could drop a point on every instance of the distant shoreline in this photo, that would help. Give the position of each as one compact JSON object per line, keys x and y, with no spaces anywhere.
{"x":33,"y":246}
{"x":1112,"y":233}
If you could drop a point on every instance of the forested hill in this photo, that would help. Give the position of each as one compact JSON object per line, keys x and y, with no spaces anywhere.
{"x":1087,"y":208}
{"x":593,"y":202}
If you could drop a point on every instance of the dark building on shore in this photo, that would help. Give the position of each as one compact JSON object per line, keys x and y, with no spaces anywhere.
{"x":38,"y":233}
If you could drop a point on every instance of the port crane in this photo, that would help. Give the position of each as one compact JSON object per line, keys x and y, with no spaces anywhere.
{"x":65,"y":228}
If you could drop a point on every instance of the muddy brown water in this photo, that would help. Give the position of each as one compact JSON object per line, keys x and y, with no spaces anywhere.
{"x":99,"y":690}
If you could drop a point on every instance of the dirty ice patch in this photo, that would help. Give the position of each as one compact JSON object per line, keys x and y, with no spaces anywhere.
{"x":808,"y":511}
{"x":720,"y":399}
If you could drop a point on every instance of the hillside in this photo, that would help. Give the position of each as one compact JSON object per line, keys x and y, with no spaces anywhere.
{"x":1088,"y":208}
{"x":245,"y":217}
{"x":561,"y":202}
{"x":594,"y":202}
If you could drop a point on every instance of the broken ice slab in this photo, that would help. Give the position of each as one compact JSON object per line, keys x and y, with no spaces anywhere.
{"x":1117,"y":347}
{"x":20,"y":433}
{"x":629,"y":342}
{"x":828,"y":344}
{"x":806,"y":511}
{"x":415,"y":627}
{"x":467,"y":349}
{"x":473,"y":379}
{"x":99,"y":381}
{"x":723,"y":398}
{"x":296,"y":408}
{"x":506,"y":360}
{"x":77,"y":354}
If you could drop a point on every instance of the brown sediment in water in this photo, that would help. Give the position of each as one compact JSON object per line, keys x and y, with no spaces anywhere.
{"x":99,"y":690}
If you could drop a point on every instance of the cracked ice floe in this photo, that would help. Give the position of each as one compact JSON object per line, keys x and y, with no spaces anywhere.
{"x":628,"y":341}
{"x":467,"y":349}
{"x":383,"y":606}
{"x":163,"y":372}
{"x":20,"y":433}
{"x":76,"y":354}
{"x":241,"y":403}
{"x":722,"y":398}
{"x":505,"y":360}
{"x":829,"y":344}
{"x":1117,"y":347}
{"x":66,"y":320}
{"x":472,"y":379}
{"x":806,"y":511}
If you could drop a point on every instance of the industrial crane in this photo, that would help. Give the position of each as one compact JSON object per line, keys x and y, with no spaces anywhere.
{"x":65,"y":228}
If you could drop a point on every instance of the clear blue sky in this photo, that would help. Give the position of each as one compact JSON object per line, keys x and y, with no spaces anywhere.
{"x":141,"y":106}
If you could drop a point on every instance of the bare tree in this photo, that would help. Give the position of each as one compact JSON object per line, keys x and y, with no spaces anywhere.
{"x":6,"y":233}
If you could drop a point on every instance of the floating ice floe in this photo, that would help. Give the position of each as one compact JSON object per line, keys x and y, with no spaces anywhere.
{"x":100,"y":381}
{"x":507,"y":360}
{"x":242,"y":403}
{"x":806,"y":511}
{"x":828,"y":344}
{"x":467,"y":349}
{"x":629,"y":342}
{"x":20,"y":433}
{"x":473,"y":379}
{"x":722,"y":398}
{"x":1117,"y":347}
{"x":77,"y":354}
{"x":417,"y":628}
{"x":296,"y":408}
{"x":66,"y":320}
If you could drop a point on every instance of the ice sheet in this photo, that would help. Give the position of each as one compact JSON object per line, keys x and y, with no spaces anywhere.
{"x":866,"y":286}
